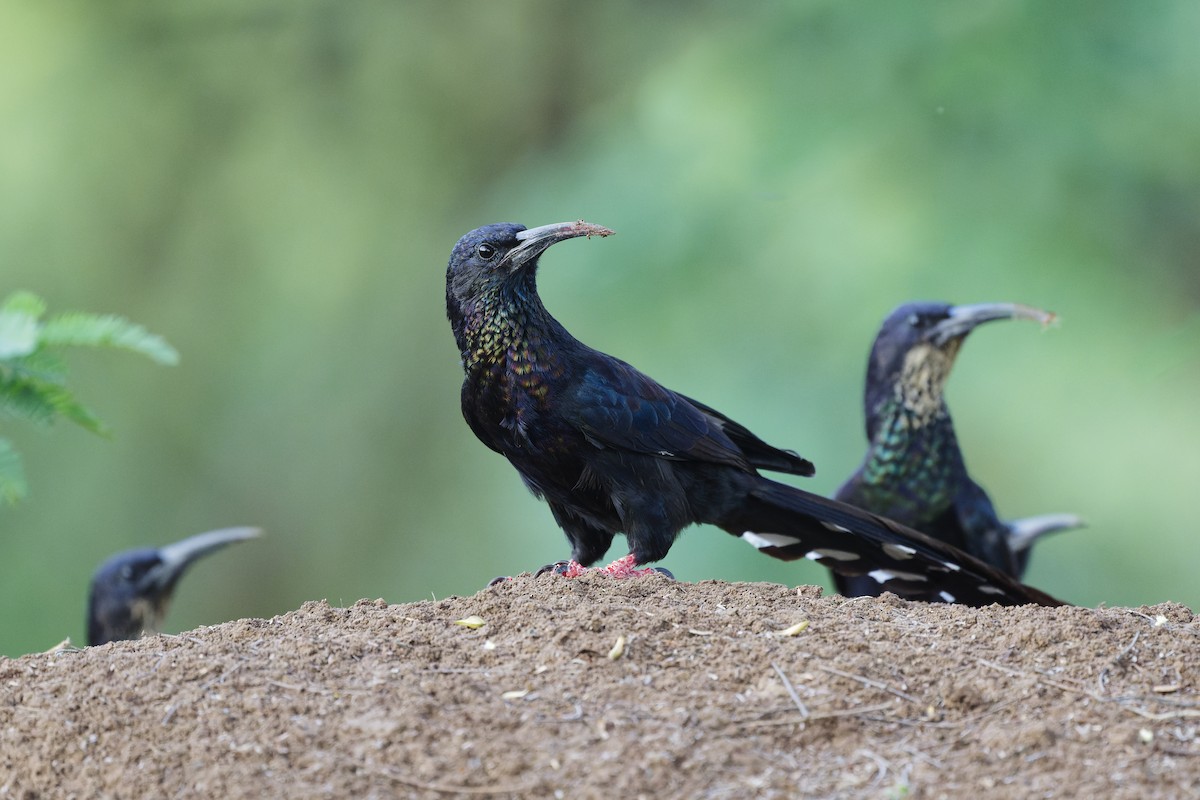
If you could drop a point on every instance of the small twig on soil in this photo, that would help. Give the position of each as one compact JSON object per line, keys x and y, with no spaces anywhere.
{"x":1163,"y":716}
{"x":220,"y":678}
{"x":1171,"y":751}
{"x":576,"y":715}
{"x":290,"y":687}
{"x":1155,"y":621}
{"x":928,"y":759}
{"x":391,"y":774}
{"x":1119,"y":657}
{"x":181,"y":637}
{"x":1117,"y":660}
{"x":915,"y":723}
{"x":881,"y":764}
{"x":791,"y":690}
{"x":1169,"y":701}
{"x":868,"y":682}
{"x":1012,"y":673}
{"x":643,"y":611}
{"x":818,"y":715}
{"x":161,"y":658}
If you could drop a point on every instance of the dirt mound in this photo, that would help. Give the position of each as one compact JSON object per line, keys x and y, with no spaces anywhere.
{"x":716,"y":690}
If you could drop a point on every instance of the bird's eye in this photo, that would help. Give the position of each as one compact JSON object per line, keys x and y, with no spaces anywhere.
{"x":126,"y":572}
{"x":486,"y":251}
{"x":914,"y":320}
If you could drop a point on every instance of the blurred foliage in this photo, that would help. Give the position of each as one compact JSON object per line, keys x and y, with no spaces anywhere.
{"x":33,"y":373}
{"x":276,"y":186}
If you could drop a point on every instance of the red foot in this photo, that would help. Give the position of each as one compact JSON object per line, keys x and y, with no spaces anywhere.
{"x":572,"y":569}
{"x":626,"y":567}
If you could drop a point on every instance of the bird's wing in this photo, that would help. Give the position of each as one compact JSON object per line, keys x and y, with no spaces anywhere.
{"x":617,"y":407}
{"x":760,"y":454}
{"x":973,"y":509}
{"x":983,"y":535}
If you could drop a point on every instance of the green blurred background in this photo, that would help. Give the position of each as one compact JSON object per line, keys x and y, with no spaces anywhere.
{"x":275,"y":187}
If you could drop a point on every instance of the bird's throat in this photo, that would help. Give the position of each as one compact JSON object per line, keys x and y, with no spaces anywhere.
{"x":509,"y":341}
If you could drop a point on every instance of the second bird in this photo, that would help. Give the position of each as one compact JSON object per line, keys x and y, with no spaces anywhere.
{"x":131,"y":590}
{"x":914,"y":471}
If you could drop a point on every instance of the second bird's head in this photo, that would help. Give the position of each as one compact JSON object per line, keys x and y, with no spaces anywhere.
{"x":915,"y":349}
{"x":490,"y":257}
{"x":130,"y":591}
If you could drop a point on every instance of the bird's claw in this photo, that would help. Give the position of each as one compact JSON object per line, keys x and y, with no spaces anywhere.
{"x":567,"y":569}
{"x":624,"y":567}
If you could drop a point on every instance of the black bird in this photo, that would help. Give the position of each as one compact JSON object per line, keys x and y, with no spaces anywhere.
{"x":131,"y":590}
{"x":611,"y":451}
{"x":914,"y":471}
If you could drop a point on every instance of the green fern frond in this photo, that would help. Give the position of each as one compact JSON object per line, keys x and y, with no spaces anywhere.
{"x":43,"y":403}
{"x":19,"y":316}
{"x":65,"y":405}
{"x":12,"y":474}
{"x":79,"y":329}
{"x":33,"y":385}
{"x":24,"y":302}
{"x":42,"y":366}
{"x":25,"y":400}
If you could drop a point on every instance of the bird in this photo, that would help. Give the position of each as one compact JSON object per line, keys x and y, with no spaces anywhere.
{"x":612,"y":451}
{"x":914,"y":471}
{"x":131,"y":590}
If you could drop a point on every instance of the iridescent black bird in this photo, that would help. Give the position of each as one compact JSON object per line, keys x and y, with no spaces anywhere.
{"x":914,"y":471}
{"x":611,"y":451}
{"x":130,"y":591}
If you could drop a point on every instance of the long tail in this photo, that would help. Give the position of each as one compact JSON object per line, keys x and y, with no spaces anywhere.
{"x":790,"y":524}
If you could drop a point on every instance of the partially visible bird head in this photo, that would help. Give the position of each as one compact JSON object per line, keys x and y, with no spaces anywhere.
{"x":915,"y":349}
{"x":130,"y":591}
{"x":487,"y":257}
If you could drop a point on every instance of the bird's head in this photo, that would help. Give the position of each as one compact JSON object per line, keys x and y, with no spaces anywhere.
{"x":487,"y":258}
{"x":130,"y":591}
{"x":915,"y":350}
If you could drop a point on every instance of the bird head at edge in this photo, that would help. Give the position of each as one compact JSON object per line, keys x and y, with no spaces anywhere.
{"x":489,"y":257}
{"x":131,"y":590}
{"x":917,"y":344}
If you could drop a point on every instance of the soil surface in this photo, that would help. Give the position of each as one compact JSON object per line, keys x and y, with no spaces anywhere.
{"x":717,"y":691}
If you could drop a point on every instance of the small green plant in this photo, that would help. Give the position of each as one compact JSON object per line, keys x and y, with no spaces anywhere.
{"x":33,"y":372}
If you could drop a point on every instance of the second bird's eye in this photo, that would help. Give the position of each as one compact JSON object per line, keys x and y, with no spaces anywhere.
{"x":486,"y":251}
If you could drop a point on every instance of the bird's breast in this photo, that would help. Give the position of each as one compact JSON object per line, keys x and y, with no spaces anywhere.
{"x":911,"y":472}
{"x":508,"y":402}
